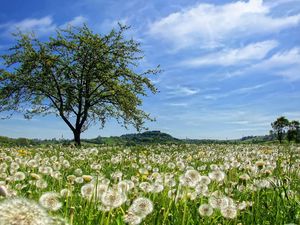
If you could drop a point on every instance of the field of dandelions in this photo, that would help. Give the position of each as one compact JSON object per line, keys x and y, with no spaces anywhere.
{"x":159,"y":184}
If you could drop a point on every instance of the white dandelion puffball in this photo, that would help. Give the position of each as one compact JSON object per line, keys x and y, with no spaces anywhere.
{"x":132,"y":219}
{"x":229,"y":212}
{"x":141,"y":207}
{"x":123,"y":186}
{"x":192,"y":177}
{"x":20,"y":211}
{"x":113,"y":199}
{"x":201,"y":188}
{"x":18,"y":176}
{"x":88,"y":190}
{"x":41,"y":184}
{"x":65,"y":193}
{"x":218,"y":202}
{"x":50,"y":200}
{"x":217,"y":175}
{"x":157,"y":188}
{"x":79,"y":180}
{"x":101,"y":188}
{"x":205,"y":210}
{"x":205,"y":180}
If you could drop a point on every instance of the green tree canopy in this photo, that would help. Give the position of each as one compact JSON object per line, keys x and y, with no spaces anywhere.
{"x":79,"y":75}
{"x":293,"y":129}
{"x":279,"y":126}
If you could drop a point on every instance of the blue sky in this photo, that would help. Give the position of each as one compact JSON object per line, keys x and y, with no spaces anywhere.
{"x":230,"y":67}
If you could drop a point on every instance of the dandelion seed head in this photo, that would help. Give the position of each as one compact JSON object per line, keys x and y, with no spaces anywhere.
{"x":88,"y":190}
{"x":205,"y":210}
{"x":18,"y":176}
{"x":132,"y":219}
{"x":50,"y":201}
{"x":217,"y":175}
{"x":41,"y":184}
{"x":192,"y":177}
{"x":141,"y":207}
{"x":113,"y":198}
{"x":229,"y":212}
{"x":20,"y":211}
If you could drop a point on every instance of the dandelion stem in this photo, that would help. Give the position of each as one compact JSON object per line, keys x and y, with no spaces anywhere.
{"x":184,"y":211}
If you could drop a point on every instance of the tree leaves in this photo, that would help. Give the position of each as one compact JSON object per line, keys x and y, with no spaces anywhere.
{"x":81,"y":76}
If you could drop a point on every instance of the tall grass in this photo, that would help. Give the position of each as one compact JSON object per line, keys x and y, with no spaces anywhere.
{"x":261,"y":184}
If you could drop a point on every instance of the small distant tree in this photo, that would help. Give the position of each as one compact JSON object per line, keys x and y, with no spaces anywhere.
{"x":81,"y":76}
{"x":298,"y":136}
{"x":293,"y":130}
{"x":279,"y":127}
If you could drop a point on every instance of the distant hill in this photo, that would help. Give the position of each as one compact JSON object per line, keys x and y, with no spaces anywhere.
{"x":153,"y":137}
{"x":148,"y":137}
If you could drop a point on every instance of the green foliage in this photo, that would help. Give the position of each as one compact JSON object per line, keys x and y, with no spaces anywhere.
{"x":80,"y":76}
{"x":137,"y":139}
{"x":148,"y":137}
{"x":293,"y":130}
{"x":282,"y":128}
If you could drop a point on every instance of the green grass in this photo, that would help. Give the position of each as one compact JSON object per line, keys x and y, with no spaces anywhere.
{"x":271,"y":194}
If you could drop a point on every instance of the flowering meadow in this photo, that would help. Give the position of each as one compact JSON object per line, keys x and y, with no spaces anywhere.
{"x":157,"y":184}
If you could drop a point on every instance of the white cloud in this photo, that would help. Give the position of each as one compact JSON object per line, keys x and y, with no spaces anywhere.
{"x":178,"y":104}
{"x":182,"y":91}
{"x":272,"y":3}
{"x":244,"y":117}
{"x":77,"y":21}
{"x":247,"y":54}
{"x":235,"y":92}
{"x":249,"y":89}
{"x":285,"y":64}
{"x":291,"y":74}
{"x":239,"y":122}
{"x":284,"y":58}
{"x":40,"y":26}
{"x":209,"y":25}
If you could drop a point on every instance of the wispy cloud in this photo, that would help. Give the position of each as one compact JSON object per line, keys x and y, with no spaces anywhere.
{"x":228,"y":57}
{"x":235,"y":92}
{"x":178,"y":104}
{"x":182,"y":91}
{"x":77,"y":21}
{"x":40,"y":26}
{"x":209,"y":25}
{"x":290,"y":74}
{"x":285,"y":64}
{"x":272,"y":3}
{"x":242,"y":117}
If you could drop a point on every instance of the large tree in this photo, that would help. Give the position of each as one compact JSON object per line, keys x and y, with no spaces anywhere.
{"x":280,"y":126}
{"x":81,"y":76}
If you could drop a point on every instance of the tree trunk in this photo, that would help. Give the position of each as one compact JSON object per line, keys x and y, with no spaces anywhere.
{"x":77,"y":138}
{"x":279,"y":137}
